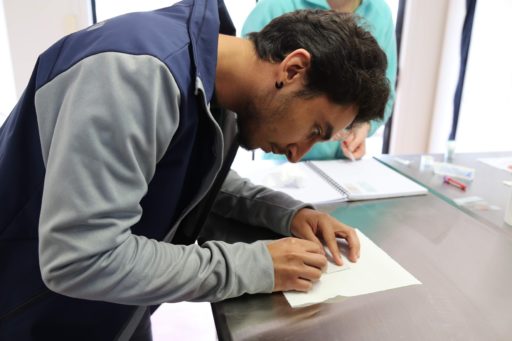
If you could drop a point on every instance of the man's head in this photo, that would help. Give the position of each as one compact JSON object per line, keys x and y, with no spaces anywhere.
{"x":330,"y":74}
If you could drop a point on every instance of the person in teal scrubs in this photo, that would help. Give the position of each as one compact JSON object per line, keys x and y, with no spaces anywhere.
{"x":375,"y":16}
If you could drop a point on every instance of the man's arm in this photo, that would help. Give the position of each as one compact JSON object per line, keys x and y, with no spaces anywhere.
{"x":241,"y":200}
{"x":256,"y":205}
{"x":104,"y":125}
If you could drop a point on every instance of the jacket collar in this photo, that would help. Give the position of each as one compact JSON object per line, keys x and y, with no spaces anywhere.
{"x":207,"y":20}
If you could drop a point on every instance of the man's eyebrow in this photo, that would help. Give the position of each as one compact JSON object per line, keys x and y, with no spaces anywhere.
{"x":328,"y":132}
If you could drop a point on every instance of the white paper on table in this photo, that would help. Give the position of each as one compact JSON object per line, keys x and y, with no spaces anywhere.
{"x":374,"y":271}
{"x":332,"y":266}
{"x":504,"y":163}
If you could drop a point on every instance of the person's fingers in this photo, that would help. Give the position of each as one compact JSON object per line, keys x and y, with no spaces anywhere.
{"x":346,"y":151}
{"x":354,"y":246}
{"x":330,"y":240}
{"x":309,"y":246}
{"x":355,"y":142}
{"x":314,"y":261}
{"x":302,"y":285}
{"x":349,"y":138}
{"x":308,"y":234}
{"x":299,"y":245}
{"x":344,"y":148}
{"x":310,"y":273}
{"x":360,"y":150}
{"x":296,"y":260}
{"x":340,"y":135}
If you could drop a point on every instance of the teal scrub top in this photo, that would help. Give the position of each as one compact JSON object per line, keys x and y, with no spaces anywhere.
{"x":376,"y":17}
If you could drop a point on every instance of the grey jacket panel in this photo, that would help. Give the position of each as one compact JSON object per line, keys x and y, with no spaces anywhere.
{"x":95,"y":178}
{"x":241,"y":200}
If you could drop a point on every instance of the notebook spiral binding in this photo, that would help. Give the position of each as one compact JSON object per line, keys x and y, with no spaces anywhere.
{"x":327,"y":178}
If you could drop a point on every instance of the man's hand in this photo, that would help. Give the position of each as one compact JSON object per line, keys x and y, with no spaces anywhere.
{"x":313,"y":225}
{"x":355,"y":141}
{"x":297,"y":263}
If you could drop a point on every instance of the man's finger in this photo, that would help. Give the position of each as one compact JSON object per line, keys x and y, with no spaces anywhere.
{"x":344,"y":148}
{"x":355,"y":143}
{"x":330,"y":240}
{"x":303,"y":285}
{"x":309,"y":246}
{"x":354,"y":247}
{"x":316,"y":261}
{"x":360,"y":150}
{"x":310,"y":235}
{"x":340,"y":135}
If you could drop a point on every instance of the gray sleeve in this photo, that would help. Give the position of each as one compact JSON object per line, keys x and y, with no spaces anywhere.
{"x":241,"y":200}
{"x":104,"y":124}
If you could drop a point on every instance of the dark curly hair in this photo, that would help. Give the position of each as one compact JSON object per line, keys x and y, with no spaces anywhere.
{"x":347,"y":64}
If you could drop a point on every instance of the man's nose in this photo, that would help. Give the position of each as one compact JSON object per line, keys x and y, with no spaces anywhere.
{"x":295,"y":152}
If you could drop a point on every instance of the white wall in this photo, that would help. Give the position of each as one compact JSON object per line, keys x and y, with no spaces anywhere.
{"x":28,"y":27}
{"x":448,"y":76}
{"x":239,"y":10}
{"x":8,"y":97}
{"x":429,"y":73}
{"x":421,"y":54}
{"x":34,"y":25}
{"x":485,"y":121}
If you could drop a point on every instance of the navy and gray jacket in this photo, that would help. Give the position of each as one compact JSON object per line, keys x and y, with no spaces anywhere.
{"x":106,"y":162}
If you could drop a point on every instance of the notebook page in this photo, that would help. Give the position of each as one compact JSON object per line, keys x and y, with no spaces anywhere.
{"x":294,"y":179}
{"x":369,"y":179}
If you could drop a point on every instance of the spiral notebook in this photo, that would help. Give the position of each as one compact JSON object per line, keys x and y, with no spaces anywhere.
{"x":323,"y":182}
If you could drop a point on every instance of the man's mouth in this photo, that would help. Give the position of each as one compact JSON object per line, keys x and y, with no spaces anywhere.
{"x":274,"y":149}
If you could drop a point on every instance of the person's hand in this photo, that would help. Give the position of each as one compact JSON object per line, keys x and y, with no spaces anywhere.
{"x":297,"y":263}
{"x":354,"y":141}
{"x":313,"y":225}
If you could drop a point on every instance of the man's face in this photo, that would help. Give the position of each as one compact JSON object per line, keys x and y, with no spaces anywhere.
{"x":286,"y":124}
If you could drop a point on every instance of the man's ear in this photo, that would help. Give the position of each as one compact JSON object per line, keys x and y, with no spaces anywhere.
{"x":294,"y":66}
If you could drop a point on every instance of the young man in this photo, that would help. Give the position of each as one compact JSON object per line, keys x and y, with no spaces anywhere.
{"x":118,"y":147}
{"x":375,"y":16}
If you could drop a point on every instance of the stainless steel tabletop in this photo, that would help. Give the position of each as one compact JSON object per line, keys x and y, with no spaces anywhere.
{"x":488,"y":183}
{"x":464,"y":264}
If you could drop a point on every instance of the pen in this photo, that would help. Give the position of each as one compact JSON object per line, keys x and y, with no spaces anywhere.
{"x":453,"y":182}
{"x":350,"y":155}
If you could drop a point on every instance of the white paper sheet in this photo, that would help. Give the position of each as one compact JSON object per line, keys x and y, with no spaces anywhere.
{"x":332,"y":266}
{"x":504,"y":163}
{"x":374,"y":271}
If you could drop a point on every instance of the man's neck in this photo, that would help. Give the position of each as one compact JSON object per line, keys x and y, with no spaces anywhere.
{"x":234,"y":80}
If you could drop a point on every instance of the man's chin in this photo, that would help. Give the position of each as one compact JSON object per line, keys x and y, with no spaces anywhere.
{"x":245,"y":144}
{"x":248,"y":148}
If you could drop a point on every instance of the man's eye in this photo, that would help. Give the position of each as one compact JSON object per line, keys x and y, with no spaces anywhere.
{"x":316,"y":132}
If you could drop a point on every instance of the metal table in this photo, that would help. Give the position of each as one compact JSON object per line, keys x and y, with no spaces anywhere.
{"x":464,"y":264}
{"x":488,"y":183}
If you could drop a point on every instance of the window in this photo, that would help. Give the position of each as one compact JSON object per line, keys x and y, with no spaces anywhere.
{"x":485,"y":119}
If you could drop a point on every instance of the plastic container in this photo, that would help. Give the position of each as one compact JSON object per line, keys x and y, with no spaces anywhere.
{"x":450,"y":150}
